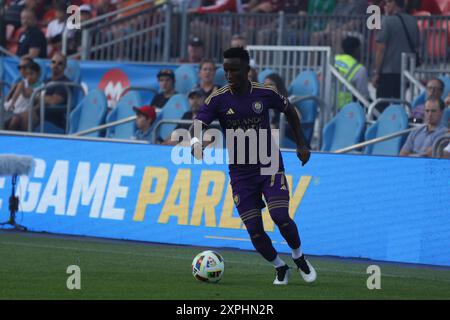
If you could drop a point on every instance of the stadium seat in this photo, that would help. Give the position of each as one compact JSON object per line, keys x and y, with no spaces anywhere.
{"x":89,"y":113}
{"x":446,"y":118}
{"x":263,"y":74}
{"x":446,"y":80}
{"x":220,"y":78}
{"x":305,"y":84}
{"x":346,"y":129}
{"x":419,"y":100}
{"x":186,"y":78}
{"x":173,"y":110}
{"x":73,"y":71}
{"x":123,"y":109}
{"x":392,"y":120}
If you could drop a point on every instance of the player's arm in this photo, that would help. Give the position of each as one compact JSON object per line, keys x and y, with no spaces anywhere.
{"x":292,"y":117}
{"x":197,"y":143}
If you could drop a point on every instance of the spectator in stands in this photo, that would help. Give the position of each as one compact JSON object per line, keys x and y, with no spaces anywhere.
{"x":18,"y":102}
{"x":104,"y":6}
{"x":269,"y":6}
{"x":166,"y":81}
{"x":207,"y":72}
{"x":196,"y":51}
{"x":57,"y":95}
{"x":392,"y":41}
{"x":337,"y":28}
{"x":238,"y":40}
{"x":32,"y":40}
{"x":219,"y":6}
{"x":55,"y":29}
{"x":144,"y":119}
{"x":352,"y":70}
{"x":275,"y":81}
{"x":196,"y":99}
{"x":435,"y":89}
{"x":420,"y":142}
{"x":74,"y":36}
{"x":12,"y":17}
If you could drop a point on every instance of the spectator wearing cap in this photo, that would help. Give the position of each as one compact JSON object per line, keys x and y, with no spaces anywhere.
{"x":196,"y":50}
{"x":144,"y":119}
{"x":196,"y":99}
{"x":206,"y":74}
{"x":166,"y":81}
{"x":32,"y":42}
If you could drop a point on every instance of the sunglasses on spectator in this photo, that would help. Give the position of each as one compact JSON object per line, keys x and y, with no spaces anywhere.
{"x":433,"y":88}
{"x":22,"y":66}
{"x":58,"y":63}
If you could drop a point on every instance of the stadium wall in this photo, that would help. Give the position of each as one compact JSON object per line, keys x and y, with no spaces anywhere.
{"x":381,"y":208}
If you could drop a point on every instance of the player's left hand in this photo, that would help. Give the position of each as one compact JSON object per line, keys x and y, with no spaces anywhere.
{"x":303,"y":154}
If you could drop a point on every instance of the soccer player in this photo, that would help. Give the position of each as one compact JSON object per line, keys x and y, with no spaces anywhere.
{"x":244,"y":105}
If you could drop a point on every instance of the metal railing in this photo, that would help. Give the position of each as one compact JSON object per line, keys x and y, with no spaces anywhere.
{"x":105,"y":126}
{"x":3,"y":84}
{"x":375,"y":141}
{"x":340,"y":85}
{"x":42,"y":107}
{"x":439,"y":145}
{"x":372,"y":111}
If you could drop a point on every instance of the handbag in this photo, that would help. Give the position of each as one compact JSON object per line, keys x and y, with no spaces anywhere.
{"x":418,"y":58}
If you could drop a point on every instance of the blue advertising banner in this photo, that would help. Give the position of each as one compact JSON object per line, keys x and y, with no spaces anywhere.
{"x":382,"y":208}
{"x":111,"y":77}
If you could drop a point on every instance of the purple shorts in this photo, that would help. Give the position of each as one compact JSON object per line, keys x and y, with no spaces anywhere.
{"x":249,"y":189}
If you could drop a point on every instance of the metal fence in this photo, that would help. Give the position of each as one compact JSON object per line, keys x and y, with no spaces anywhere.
{"x":145,"y":32}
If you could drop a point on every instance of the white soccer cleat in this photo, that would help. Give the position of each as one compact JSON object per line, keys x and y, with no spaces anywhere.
{"x":306,"y":269}
{"x":282,"y":275}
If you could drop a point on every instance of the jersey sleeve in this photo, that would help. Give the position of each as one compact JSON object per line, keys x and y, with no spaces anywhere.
{"x":278,"y":101}
{"x":208,"y":111}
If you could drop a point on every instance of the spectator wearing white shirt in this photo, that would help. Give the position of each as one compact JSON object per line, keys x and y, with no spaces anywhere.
{"x":56,"y":28}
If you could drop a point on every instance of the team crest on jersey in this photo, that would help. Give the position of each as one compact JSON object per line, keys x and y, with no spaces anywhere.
{"x":257,"y":106}
{"x":236,"y":199}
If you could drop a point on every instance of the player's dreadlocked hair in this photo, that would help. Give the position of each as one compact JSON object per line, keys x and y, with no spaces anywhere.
{"x":238,"y":52}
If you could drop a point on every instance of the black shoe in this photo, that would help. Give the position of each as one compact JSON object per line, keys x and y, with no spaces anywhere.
{"x":302,"y":265}
{"x":306,"y":269}
{"x":282,"y":275}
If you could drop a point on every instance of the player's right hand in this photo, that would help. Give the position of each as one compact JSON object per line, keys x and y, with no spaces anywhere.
{"x":303,"y":154}
{"x":197,"y":150}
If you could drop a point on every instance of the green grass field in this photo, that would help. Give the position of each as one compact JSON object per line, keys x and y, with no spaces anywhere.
{"x":33,"y":266}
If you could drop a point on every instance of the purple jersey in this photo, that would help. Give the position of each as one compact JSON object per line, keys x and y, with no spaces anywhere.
{"x":249,"y":111}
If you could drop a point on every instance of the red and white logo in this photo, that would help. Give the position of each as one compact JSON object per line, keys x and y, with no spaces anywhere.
{"x":113,"y":84}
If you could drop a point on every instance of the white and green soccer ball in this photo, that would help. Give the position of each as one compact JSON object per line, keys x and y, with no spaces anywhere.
{"x":208,"y":266}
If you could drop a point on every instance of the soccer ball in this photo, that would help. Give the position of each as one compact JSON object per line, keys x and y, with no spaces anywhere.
{"x":208,"y":266}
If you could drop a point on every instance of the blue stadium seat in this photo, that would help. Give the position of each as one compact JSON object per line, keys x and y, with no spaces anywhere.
{"x":220,"y":78}
{"x":73,"y":71}
{"x":123,"y":109}
{"x":446,"y":80}
{"x":419,"y":100}
{"x":446,"y":118}
{"x":263,"y":74}
{"x":173,"y":110}
{"x":346,"y":129}
{"x":305,"y":84}
{"x":393,"y":119}
{"x":89,"y":113}
{"x":186,"y":78}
